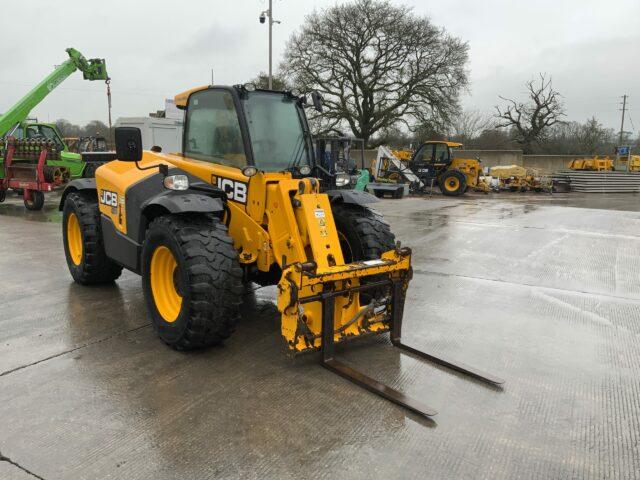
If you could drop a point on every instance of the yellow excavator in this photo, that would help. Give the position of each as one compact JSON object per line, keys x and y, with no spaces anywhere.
{"x":241,"y":202}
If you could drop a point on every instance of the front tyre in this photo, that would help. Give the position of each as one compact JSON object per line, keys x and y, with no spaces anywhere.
{"x":83,"y":243}
{"x":363,"y":235}
{"x":453,"y":183}
{"x":192,"y":280}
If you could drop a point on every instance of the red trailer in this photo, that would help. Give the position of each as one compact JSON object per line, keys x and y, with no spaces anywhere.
{"x":25,"y":170}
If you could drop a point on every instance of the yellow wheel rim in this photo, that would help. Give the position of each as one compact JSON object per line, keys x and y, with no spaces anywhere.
{"x":163,"y":284}
{"x":452,"y":184}
{"x":74,"y":239}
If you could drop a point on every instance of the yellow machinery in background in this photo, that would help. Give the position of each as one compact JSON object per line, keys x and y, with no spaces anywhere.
{"x":630,"y":163}
{"x":510,"y":177}
{"x":432,"y":165}
{"x":520,"y":179}
{"x":240,"y":204}
{"x":592,"y":164}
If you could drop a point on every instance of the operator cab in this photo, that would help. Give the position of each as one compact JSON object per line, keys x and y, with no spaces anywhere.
{"x":435,"y":152}
{"x":38,"y":131}
{"x":243,"y":126}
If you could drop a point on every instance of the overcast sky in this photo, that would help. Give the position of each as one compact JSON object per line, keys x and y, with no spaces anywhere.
{"x":155,"y":49}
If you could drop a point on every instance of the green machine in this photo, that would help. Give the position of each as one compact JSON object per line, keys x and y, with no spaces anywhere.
{"x":14,"y":122}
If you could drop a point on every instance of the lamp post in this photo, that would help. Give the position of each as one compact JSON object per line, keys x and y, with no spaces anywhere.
{"x":263,"y":17}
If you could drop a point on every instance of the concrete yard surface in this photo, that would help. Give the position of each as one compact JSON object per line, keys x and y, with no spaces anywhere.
{"x":541,"y":290}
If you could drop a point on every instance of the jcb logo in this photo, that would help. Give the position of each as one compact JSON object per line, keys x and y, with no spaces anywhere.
{"x":109,"y":198}
{"x":235,"y":190}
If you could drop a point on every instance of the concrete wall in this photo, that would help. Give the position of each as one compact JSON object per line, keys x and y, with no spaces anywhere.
{"x":545,"y":163}
{"x":491,"y":158}
{"x":549,"y":163}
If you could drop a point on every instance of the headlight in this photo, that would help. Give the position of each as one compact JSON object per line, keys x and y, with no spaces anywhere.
{"x":176,"y":182}
{"x":249,"y":171}
{"x":342,"y":179}
{"x":304,"y":170}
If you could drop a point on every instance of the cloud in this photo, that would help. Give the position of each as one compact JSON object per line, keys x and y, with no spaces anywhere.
{"x":157,"y":48}
{"x":216,"y":40}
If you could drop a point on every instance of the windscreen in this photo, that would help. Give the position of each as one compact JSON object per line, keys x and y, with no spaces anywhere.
{"x":277,"y":136}
{"x":212,"y":131}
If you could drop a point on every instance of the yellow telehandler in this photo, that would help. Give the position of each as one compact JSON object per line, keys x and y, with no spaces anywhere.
{"x":241,"y":203}
{"x":431,"y":165}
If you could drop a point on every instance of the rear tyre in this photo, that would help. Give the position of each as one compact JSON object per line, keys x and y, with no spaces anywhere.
{"x":36,"y":202}
{"x":83,"y":243}
{"x":364,"y":235}
{"x":192,"y":280}
{"x":452,"y":183}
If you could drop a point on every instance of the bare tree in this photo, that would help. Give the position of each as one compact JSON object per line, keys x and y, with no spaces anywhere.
{"x":594,"y":138}
{"x":378,"y":65}
{"x":570,"y":138}
{"x":262,"y":81}
{"x":530,"y":121}
{"x":97,"y":128}
{"x":68,"y":129}
{"x":493,"y":139}
{"x":470,"y":124}
{"x":92,"y":128}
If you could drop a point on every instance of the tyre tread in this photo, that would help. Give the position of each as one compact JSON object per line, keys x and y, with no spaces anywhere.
{"x":214,"y":276}
{"x":98,"y":268}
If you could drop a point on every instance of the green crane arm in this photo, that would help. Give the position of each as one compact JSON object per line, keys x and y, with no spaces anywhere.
{"x":93,"y":69}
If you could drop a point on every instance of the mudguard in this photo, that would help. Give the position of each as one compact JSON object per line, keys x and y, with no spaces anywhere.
{"x":75,"y":186}
{"x":353,"y":197}
{"x":149,"y":194}
{"x":185,"y":202}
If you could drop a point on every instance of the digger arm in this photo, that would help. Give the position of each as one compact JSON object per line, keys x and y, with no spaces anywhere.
{"x":93,"y":69}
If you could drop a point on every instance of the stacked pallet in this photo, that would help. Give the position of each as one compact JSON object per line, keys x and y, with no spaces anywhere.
{"x":599,"y":182}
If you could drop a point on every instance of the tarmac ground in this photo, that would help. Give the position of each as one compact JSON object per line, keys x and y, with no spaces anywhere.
{"x":541,"y":290}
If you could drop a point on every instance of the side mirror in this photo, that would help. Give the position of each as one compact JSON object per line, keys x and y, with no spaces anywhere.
{"x":316,"y":98}
{"x":128,"y":144}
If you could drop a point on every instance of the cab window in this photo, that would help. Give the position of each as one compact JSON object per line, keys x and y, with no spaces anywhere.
{"x":44,"y":132}
{"x":441,"y":153}
{"x":17,"y":133}
{"x":424,"y":153}
{"x":213,"y":130}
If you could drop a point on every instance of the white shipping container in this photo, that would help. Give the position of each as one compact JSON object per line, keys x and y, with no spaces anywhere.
{"x":161,"y":132}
